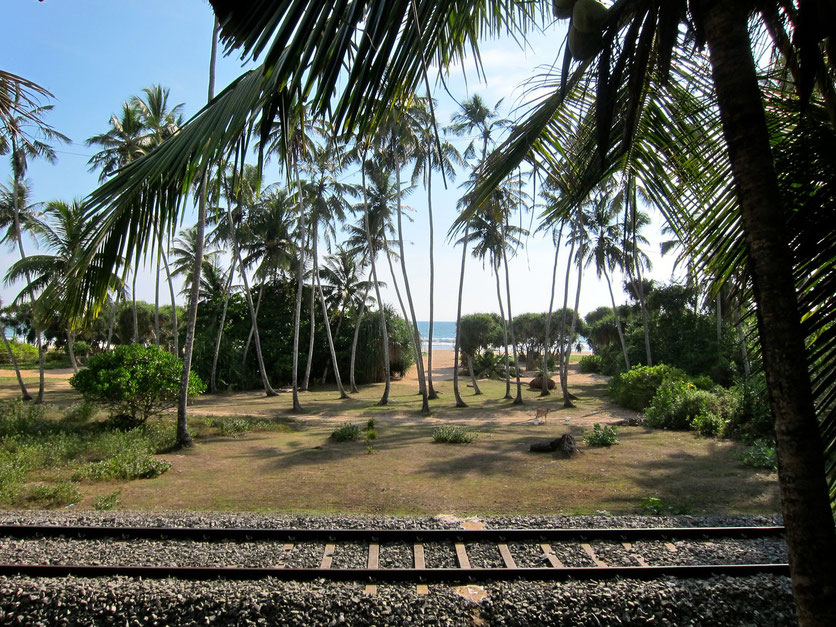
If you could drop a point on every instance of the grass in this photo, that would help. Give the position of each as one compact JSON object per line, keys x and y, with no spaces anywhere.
{"x":253,"y":454}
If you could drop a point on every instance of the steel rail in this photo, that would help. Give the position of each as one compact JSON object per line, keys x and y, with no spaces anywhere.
{"x":390,"y":575}
{"x":216,"y":534}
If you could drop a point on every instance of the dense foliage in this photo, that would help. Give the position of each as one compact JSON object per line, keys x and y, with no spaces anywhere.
{"x":134,"y":380}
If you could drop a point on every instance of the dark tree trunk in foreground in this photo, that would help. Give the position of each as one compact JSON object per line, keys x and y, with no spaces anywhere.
{"x":811,"y":538}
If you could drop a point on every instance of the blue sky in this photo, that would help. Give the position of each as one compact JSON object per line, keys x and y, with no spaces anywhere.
{"x":94,"y":54}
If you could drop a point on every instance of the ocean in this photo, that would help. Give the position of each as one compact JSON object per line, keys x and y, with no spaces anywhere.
{"x":444,"y":334}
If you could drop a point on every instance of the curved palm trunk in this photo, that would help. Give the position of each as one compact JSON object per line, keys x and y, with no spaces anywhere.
{"x":113,"y":311}
{"x":306,"y":381}
{"x":617,"y":321}
{"x":213,"y":386}
{"x":360,"y":313}
{"x":331,"y":341}
{"x":24,"y":393}
{"x":504,"y":334}
{"x":19,"y":234}
{"x":183,"y":437}
{"x":567,"y":398}
{"x":297,"y":316}
{"x":564,"y":340}
{"x":744,"y":351}
{"x":518,"y":399}
{"x":811,"y":538}
{"x":544,"y":390}
{"x":251,"y":332}
{"x":416,"y":336}
{"x":135,"y":338}
{"x":473,"y":381}
{"x":175,"y":331}
{"x":265,"y":381}
{"x":372,"y":253}
{"x":157,"y":305}
{"x":456,"y":393}
{"x":70,"y":351}
{"x":431,"y":393}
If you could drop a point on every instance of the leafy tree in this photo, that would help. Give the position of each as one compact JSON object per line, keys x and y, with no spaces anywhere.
{"x":135,"y":380}
{"x":475,"y":334}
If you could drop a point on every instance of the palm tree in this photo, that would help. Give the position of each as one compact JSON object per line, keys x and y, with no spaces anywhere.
{"x":25,"y":136}
{"x":431,"y":154}
{"x":474,"y":116}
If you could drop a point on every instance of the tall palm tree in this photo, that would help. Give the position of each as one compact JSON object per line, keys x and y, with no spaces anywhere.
{"x":25,"y":136}
{"x":476,"y":116}
{"x":431,"y":154}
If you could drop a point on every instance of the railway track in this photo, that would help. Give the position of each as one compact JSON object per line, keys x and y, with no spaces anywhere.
{"x":375,"y":556}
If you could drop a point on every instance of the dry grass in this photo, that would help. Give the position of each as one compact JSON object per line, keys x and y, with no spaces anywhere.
{"x":302,"y":470}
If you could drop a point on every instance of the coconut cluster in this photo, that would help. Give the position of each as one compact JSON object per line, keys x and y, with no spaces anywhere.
{"x":588,"y":17}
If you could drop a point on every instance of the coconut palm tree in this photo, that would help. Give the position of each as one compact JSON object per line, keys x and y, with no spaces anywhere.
{"x":476,"y":116}
{"x":431,"y":154}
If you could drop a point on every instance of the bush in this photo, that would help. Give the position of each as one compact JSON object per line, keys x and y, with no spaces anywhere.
{"x":230,"y":427}
{"x":750,"y":419}
{"x":760,"y":454}
{"x":134,"y":380}
{"x":62,"y":493}
{"x":655,"y":506}
{"x":590,"y":363}
{"x":453,"y":434}
{"x":24,"y":353}
{"x":111,"y":500}
{"x":678,"y":404}
{"x":126,"y":465}
{"x":348,"y":432}
{"x":601,"y":436}
{"x":635,"y":388}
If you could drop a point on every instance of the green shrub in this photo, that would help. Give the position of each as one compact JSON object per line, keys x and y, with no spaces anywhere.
{"x":370,"y":424}
{"x":230,"y":427}
{"x":655,"y":506}
{"x":24,"y":353}
{"x":134,"y":380}
{"x":590,"y":363}
{"x":126,"y":465}
{"x":751,"y":418}
{"x":62,"y":493}
{"x":760,"y":454}
{"x":453,"y":434}
{"x":678,"y":404}
{"x":79,"y":413}
{"x":111,"y":500}
{"x":635,"y":388}
{"x":348,"y":432}
{"x":601,"y":436}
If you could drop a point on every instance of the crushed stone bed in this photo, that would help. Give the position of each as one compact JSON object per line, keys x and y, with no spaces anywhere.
{"x":757,"y":600}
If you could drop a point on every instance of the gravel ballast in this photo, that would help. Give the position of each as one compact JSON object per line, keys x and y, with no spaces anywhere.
{"x":757,"y":600}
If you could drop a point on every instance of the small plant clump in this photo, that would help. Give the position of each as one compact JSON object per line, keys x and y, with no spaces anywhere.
{"x":126,"y":465}
{"x":61,"y":493}
{"x":654,"y":506}
{"x":348,"y":432}
{"x":453,"y":434}
{"x":760,"y":454}
{"x":111,"y":500}
{"x":601,"y":436}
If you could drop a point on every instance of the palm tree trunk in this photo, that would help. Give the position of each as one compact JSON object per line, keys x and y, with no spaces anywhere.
{"x":183,"y":437}
{"x":372,"y":254}
{"x":567,"y":398}
{"x":70,"y":351}
{"x":504,"y":333}
{"x":456,"y":347}
{"x":175,"y":331}
{"x":262,"y":370}
{"x":744,"y":351}
{"x":213,"y":385}
{"x":416,"y":336}
{"x":312,"y":304}
{"x":564,"y":340}
{"x":811,"y":538}
{"x":473,"y":381}
{"x":157,"y":304}
{"x":113,"y":311}
{"x":518,"y":400}
{"x":617,"y":321}
{"x":544,"y":389}
{"x":330,"y":341}
{"x":135,"y":337}
{"x":24,"y":393}
{"x":360,"y":313}
{"x":19,"y":234}
{"x":431,"y":393}
{"x":300,"y":275}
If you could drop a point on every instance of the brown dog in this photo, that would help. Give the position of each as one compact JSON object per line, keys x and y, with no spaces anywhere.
{"x":541,"y":412}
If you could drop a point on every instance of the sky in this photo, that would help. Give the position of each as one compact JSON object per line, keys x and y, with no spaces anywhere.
{"x":95,"y":54}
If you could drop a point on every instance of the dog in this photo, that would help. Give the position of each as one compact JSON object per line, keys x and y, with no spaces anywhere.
{"x":541,"y":412}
